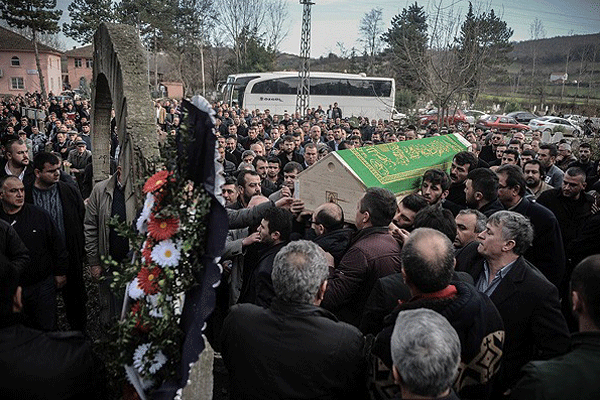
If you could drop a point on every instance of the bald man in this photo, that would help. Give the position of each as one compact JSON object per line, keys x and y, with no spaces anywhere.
{"x":328,"y":223}
{"x":428,"y":268}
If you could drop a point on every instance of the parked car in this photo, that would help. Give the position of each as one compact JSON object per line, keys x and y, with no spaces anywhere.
{"x":459,"y":118}
{"x":474,"y":115}
{"x":503,"y":123}
{"x":553,"y":124}
{"x":399,"y":117}
{"x":522,"y":116}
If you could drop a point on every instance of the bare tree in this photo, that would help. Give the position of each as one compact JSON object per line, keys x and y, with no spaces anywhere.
{"x":238,"y":18}
{"x":277,"y":22}
{"x":370,"y":30}
{"x":536,"y":32}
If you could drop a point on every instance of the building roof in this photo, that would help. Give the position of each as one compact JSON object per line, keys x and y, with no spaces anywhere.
{"x":80,"y":52}
{"x":10,"y":40}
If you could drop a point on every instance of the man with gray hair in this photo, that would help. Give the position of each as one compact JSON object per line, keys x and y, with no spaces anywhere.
{"x":469,"y":224}
{"x":426,"y":355}
{"x":294,"y":348}
{"x":528,"y":303}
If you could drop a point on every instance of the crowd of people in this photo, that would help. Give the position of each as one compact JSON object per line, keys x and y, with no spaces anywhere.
{"x":491,"y":247}
{"x":482,"y":284}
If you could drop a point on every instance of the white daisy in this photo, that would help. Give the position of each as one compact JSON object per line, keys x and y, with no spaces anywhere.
{"x":166,"y":254}
{"x":140,"y":359}
{"x":153,"y":308}
{"x":142,"y":222}
{"x":134,"y":290}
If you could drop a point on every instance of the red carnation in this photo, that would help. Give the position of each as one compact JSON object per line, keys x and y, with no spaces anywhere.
{"x":147,"y":251}
{"x":156,"y":181}
{"x":136,"y":311}
{"x":148,"y":279}
{"x":162,"y":228}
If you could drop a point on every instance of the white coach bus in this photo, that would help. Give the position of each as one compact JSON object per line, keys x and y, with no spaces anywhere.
{"x":356,"y":94}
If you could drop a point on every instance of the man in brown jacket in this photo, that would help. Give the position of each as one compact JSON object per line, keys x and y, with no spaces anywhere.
{"x":373,"y":254}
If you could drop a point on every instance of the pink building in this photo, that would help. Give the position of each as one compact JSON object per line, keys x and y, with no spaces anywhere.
{"x":79,"y":65}
{"x":18,"y":71}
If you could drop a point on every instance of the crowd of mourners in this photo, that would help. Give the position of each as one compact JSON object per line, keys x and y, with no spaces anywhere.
{"x":484,"y":283}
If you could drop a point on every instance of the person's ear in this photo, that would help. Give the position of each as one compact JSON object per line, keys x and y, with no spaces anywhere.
{"x":509,"y":245}
{"x":18,"y":300}
{"x":403,"y":272}
{"x":576,"y":302}
{"x":366,"y":217}
{"x":478,"y":196}
{"x":445,"y":194}
{"x":276,"y":235}
{"x":396,"y":375}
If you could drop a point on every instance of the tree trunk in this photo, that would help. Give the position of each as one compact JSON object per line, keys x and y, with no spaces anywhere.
{"x":39,"y":66}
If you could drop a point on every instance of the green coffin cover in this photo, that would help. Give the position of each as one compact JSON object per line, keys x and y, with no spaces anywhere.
{"x":399,"y":166}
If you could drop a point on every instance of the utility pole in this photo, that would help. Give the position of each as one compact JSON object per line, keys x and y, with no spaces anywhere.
{"x":303,"y":93}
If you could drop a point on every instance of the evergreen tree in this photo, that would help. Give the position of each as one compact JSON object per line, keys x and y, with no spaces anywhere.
{"x":38,"y":15}
{"x":482,"y":49}
{"x":407,"y":40}
{"x":86,"y":16}
{"x":255,"y":56}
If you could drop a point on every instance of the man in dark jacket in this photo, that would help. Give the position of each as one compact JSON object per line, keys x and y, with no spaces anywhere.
{"x":546,"y":251}
{"x":462,"y":163}
{"x":293,"y":349}
{"x":17,"y":161}
{"x":328,"y":224}
{"x":574,"y":375}
{"x":64,"y":204}
{"x":481,"y":191}
{"x":428,"y":267}
{"x":36,"y":365}
{"x":274,"y":232}
{"x":49,"y":258}
{"x":373,"y":253}
{"x":571,"y":205}
{"x":528,"y":303}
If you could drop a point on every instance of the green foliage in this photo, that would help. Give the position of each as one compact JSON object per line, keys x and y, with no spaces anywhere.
{"x":512,"y":106}
{"x":155,"y":20}
{"x":40,"y":16}
{"x":405,"y":99}
{"x":254,"y":55}
{"x":154,"y":314}
{"x":407,"y":42}
{"x":482,"y":49}
{"x":86,"y":16}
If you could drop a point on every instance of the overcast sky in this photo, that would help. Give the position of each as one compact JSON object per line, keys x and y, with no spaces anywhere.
{"x":336,"y":21}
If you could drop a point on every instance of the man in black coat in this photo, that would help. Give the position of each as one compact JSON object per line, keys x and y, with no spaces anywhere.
{"x":481,"y":191}
{"x":64,"y":204}
{"x":328,"y":224}
{"x":274,"y":231}
{"x":36,"y":365}
{"x":462,"y":163}
{"x":546,"y":251}
{"x":428,"y":267}
{"x":49,"y":258}
{"x":527,"y":301}
{"x":293,"y":349}
{"x":571,"y":205}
